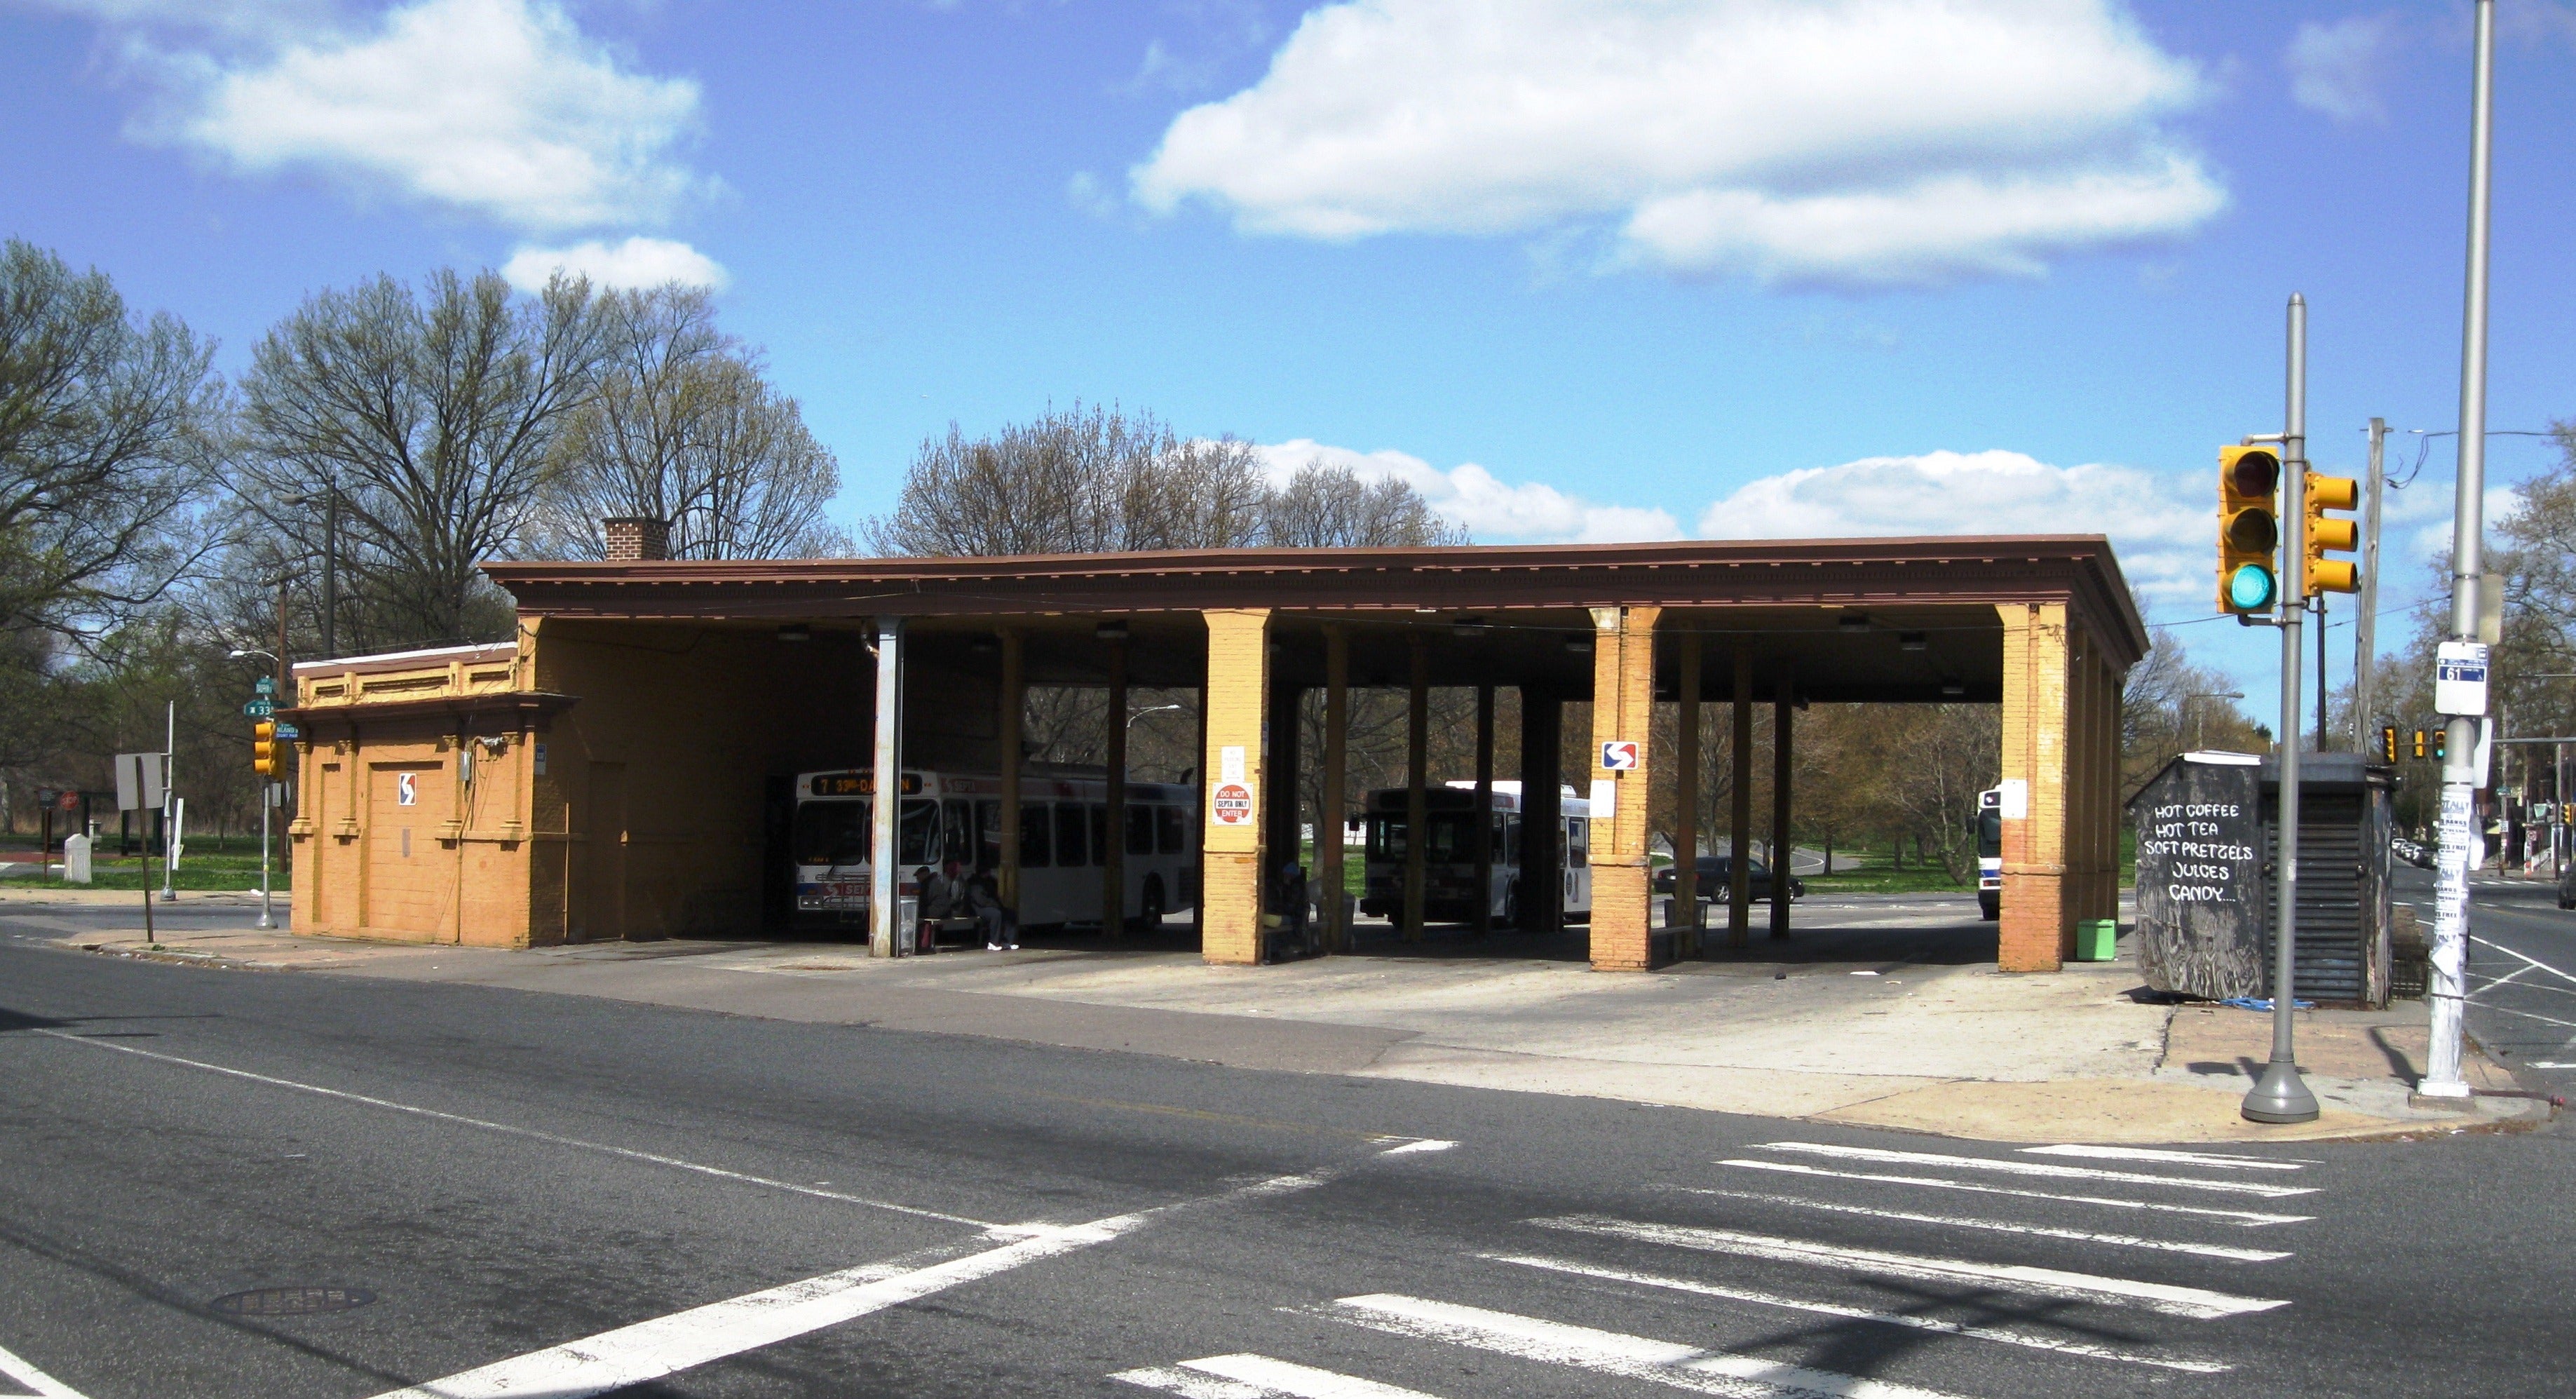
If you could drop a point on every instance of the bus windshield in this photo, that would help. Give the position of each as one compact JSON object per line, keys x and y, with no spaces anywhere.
{"x":836,"y":832}
{"x":1990,"y":834}
{"x":1453,"y":837}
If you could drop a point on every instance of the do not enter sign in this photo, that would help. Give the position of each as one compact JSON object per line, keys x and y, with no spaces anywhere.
{"x":1232,"y":804}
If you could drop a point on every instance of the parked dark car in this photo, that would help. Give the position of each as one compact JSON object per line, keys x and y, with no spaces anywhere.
{"x":1714,"y":872}
{"x":2567,"y":886}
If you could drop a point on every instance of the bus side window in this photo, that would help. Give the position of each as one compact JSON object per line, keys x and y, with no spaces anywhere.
{"x":1510,"y":845}
{"x":957,"y":836}
{"x":1034,"y":829}
{"x":1099,"y":833}
{"x":1140,"y":830}
{"x":1171,"y":833}
{"x":1068,"y":834}
{"x":988,"y":835}
{"x":1577,"y":841}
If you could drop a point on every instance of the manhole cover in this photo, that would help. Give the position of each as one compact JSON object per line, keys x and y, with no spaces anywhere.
{"x":292,"y":1301}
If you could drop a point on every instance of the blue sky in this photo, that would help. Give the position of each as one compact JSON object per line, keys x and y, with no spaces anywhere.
{"x":1605,"y":270}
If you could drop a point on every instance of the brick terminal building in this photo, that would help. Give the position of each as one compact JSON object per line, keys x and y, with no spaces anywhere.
{"x":615,"y":771}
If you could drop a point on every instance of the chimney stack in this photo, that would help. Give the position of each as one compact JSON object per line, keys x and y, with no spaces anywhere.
{"x":637,"y":538}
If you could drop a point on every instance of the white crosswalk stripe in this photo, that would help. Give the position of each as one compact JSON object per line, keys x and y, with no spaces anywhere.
{"x":1248,"y":1376}
{"x":2168,"y":1298}
{"x":36,"y":1381}
{"x":1609,"y":1352}
{"x":2228,"y":1252}
{"x":2249,"y":1219}
{"x":2002,"y":1334}
{"x":2177,"y":1158}
{"x":2039,"y":1168}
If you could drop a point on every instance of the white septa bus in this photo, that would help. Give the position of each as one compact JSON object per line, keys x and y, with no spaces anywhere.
{"x":1449,"y":856}
{"x":1989,"y":826}
{"x":1064,"y":832}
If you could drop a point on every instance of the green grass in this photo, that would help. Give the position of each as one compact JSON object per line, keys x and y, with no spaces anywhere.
{"x":207,"y":862}
{"x":1884,"y":879}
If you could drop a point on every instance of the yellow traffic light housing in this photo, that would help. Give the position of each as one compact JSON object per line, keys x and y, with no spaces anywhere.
{"x":2322,"y":574}
{"x":2249,"y":529}
{"x":267,"y":751}
{"x":2388,"y":743}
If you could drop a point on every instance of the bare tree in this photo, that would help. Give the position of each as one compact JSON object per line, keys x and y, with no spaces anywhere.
{"x":682,"y":427}
{"x":105,"y":428}
{"x":1323,"y":507}
{"x":432,"y":414}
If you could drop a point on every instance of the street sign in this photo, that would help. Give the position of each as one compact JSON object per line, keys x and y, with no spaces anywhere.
{"x":288,"y":733}
{"x":2460,"y":679}
{"x":263,"y":687}
{"x":1232,"y":804}
{"x":138,"y":781}
{"x":259,"y":708}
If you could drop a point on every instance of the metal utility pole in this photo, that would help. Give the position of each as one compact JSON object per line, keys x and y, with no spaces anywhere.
{"x":2365,"y":624}
{"x":2458,"y":835}
{"x":169,"y":775}
{"x":2280,"y":1095}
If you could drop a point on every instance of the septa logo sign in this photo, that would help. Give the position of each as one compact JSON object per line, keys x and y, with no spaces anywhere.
{"x":1232,"y":804}
{"x":406,"y":790}
{"x":1618,"y":757}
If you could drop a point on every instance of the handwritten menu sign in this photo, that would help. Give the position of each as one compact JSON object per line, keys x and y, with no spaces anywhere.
{"x":2200,"y":876}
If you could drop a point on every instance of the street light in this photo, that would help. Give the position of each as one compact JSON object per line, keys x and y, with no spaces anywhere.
{"x":1157,"y":709}
{"x":2206,"y":694}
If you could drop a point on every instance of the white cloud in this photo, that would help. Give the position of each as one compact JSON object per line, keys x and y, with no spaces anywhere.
{"x":637,"y":262}
{"x":2334,"y":68}
{"x":2163,"y":527}
{"x":1493,"y":510}
{"x":500,"y":107}
{"x":1852,"y":141}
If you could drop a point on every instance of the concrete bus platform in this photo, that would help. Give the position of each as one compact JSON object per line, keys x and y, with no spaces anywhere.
{"x":1882,"y":1010}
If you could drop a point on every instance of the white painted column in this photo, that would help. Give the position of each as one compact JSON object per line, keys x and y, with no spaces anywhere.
{"x":885,"y":906}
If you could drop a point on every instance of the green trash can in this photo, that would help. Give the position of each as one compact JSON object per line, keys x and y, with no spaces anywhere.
{"x":2097,"y":939}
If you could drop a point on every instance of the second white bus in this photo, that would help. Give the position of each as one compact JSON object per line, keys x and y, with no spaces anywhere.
{"x":1449,"y":854}
{"x":1064,"y":842}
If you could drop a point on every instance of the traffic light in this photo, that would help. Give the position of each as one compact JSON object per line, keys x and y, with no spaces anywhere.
{"x":2388,"y":743}
{"x":2325,"y":575}
{"x":267,"y":751}
{"x":2249,"y":530}
{"x":2432,"y":747}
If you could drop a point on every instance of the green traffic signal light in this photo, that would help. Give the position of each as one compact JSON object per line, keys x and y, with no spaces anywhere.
{"x":2251,"y":588}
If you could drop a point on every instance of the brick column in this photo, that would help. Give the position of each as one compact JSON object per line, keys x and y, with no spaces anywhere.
{"x":2035,"y":927}
{"x":1623,"y":710}
{"x":1238,"y":693}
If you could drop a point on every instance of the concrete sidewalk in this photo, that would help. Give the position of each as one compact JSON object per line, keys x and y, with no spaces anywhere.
{"x":1888,"y":1012}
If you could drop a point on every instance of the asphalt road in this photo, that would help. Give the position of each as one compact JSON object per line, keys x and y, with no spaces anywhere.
{"x":2521,"y":972}
{"x":533,"y":1194}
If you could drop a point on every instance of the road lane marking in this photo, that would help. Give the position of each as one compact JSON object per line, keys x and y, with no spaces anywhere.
{"x":1412,"y":1145}
{"x":1606,"y":1352}
{"x":1918,"y":1323}
{"x":2196,"y":1302}
{"x":2180,"y":1158}
{"x":2527,"y":1015}
{"x":2245,"y":1219}
{"x":2534,"y":961}
{"x":2039,"y":1168}
{"x":1190,"y":1386}
{"x":11,"y":1367}
{"x":667,"y":1345}
{"x":2232,"y":1254}
{"x":1249,"y":1376}
{"x":532,"y":1134}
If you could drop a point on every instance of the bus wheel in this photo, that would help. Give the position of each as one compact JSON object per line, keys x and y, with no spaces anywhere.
{"x":1152,"y":916}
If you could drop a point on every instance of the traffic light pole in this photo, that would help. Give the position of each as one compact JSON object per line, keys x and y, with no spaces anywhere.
{"x":2280,"y":1095}
{"x":2449,"y":959}
{"x":2365,"y":628}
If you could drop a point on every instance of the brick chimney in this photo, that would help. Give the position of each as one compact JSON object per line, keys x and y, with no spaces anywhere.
{"x":637,"y":538}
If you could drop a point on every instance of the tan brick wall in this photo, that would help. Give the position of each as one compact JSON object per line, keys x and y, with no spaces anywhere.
{"x":1623,"y":706}
{"x":1238,"y":692}
{"x":2036,"y":928}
